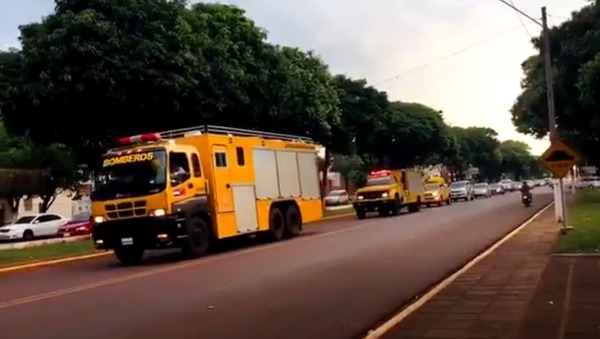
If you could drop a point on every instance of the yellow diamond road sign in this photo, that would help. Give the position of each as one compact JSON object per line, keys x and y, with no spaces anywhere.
{"x":559,"y":158}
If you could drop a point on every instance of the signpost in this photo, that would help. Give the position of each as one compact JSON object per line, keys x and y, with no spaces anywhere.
{"x":560,"y":159}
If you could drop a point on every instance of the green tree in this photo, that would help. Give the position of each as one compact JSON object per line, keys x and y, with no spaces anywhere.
{"x":410,"y":133}
{"x":477,"y":147}
{"x":351,"y":168}
{"x":119,"y":65}
{"x":516,"y":159}
{"x":35,"y":170}
{"x":363,"y":112}
{"x":575,"y":47}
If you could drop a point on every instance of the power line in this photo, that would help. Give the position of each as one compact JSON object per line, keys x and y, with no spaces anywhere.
{"x":521,"y":20}
{"x":521,"y":12}
{"x":447,"y":56}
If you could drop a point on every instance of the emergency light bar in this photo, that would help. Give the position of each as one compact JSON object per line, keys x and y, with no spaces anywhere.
{"x":381,"y":173}
{"x":139,"y":138}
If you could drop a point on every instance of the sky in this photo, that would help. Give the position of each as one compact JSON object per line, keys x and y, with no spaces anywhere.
{"x":459,"y":56}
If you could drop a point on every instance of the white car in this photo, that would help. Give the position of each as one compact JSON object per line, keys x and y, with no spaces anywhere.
{"x":32,"y":226}
{"x":589,"y":182}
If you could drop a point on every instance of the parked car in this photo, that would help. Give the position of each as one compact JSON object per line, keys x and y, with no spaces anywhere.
{"x":481,"y":190}
{"x":79,"y":224}
{"x":337,"y":198}
{"x":33,"y":226}
{"x":461,"y":190}
{"x":589,"y":182}
{"x":507,"y":185}
{"x":496,"y":189}
{"x":517,"y":185}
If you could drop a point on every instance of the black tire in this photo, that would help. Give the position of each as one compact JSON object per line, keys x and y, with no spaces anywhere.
{"x":28,"y":235}
{"x":383,"y":212}
{"x":293,"y":221}
{"x":129,"y":255}
{"x":396,"y":207}
{"x":361,"y":214}
{"x":414,"y":207}
{"x":198,"y":239}
{"x":276,"y":224}
{"x":427,"y":205}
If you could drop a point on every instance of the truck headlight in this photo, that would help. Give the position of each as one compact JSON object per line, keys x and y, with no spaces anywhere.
{"x":158,"y":213}
{"x":385,"y":194}
{"x":98,"y":219}
{"x":360,"y":197}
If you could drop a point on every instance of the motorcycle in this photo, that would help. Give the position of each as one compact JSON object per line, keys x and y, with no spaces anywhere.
{"x":526,"y":199}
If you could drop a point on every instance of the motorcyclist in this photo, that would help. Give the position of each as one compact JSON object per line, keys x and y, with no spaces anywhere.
{"x":525,"y":189}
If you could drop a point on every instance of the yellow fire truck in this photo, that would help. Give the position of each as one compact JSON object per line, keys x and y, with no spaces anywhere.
{"x":437,"y":191}
{"x":389,"y":191}
{"x":190,"y":187}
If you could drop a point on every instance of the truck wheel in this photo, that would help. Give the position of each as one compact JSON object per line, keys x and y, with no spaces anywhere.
{"x":361,"y":214}
{"x":383,"y":212}
{"x":197,"y":242}
{"x":276,"y":224}
{"x":129,"y":255}
{"x":414,"y":207}
{"x":396,"y":207}
{"x":293,"y":222}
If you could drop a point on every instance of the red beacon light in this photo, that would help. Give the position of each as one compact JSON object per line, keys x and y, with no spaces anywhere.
{"x":139,"y":138}
{"x":381,"y":173}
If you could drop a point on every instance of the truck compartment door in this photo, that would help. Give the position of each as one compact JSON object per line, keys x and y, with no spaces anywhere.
{"x":222,"y":189}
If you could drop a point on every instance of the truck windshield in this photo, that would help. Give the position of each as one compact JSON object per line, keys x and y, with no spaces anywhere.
{"x":458,"y":184}
{"x":432,"y":187}
{"x":131,"y":175}
{"x":380,"y":181}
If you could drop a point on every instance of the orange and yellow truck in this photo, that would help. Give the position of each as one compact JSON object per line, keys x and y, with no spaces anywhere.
{"x":190,"y":187}
{"x":388,"y":191}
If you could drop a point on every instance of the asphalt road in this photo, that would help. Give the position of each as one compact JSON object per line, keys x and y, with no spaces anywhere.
{"x":336,"y":282}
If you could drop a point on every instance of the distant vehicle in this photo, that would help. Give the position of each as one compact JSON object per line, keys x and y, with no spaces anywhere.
{"x":481,"y":190}
{"x":589,"y":182}
{"x":530,"y":183}
{"x":79,"y":224}
{"x":33,"y":226}
{"x":337,"y":198}
{"x":496,"y":189}
{"x":507,"y":185}
{"x":517,"y":185}
{"x":461,"y":190}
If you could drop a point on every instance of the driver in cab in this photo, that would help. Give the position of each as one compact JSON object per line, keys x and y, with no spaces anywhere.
{"x":177,"y":172}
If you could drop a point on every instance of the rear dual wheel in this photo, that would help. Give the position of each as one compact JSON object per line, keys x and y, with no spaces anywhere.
{"x":284,"y":224}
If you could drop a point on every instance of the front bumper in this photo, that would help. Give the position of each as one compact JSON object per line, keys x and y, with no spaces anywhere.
{"x":459,"y":195}
{"x":10,"y":236}
{"x":432,"y":199}
{"x":373,"y":204}
{"x":146,"y":232}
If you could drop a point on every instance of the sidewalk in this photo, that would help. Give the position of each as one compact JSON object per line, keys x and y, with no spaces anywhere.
{"x":518,"y":291}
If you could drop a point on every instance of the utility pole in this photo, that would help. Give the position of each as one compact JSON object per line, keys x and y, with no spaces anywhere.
{"x":560,"y":211}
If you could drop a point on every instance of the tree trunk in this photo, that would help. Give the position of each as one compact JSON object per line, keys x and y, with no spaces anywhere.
{"x":47,"y":201}
{"x":15,"y":202}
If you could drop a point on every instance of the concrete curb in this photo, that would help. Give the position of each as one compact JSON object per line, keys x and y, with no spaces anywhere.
{"x":43,"y":242}
{"x":46,"y":263}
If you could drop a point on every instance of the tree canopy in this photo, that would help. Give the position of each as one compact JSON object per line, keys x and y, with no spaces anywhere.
{"x":575,"y":48}
{"x":95,"y":70}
